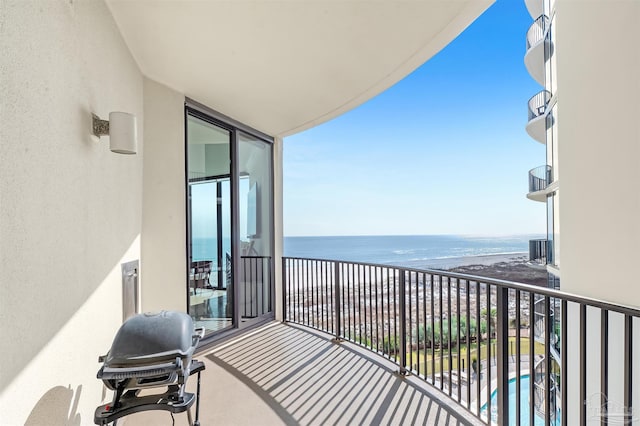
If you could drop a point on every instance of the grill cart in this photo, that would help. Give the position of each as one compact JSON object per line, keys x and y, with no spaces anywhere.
{"x":151,"y":350}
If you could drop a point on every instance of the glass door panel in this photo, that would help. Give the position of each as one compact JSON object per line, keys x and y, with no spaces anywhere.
{"x":255,"y":271}
{"x":209,"y":231}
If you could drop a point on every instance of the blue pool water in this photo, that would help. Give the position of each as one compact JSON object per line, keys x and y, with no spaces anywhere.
{"x":525,"y":408}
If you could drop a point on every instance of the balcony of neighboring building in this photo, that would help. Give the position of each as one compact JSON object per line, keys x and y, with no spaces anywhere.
{"x":539,"y":48}
{"x":539,"y":115}
{"x":540,"y":178}
{"x":539,"y":250}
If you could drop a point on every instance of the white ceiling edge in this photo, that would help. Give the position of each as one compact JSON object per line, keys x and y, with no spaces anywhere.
{"x":435,"y":45}
{"x":471,"y":11}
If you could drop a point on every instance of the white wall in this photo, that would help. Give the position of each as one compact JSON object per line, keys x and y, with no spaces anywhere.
{"x":70,"y":209}
{"x":599,"y":146}
{"x":163,"y":214}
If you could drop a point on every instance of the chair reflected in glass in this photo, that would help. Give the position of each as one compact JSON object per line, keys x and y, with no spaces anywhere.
{"x":200,"y":275}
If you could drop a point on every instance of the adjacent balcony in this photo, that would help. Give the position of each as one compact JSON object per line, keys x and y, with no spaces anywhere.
{"x":539,"y":116}
{"x":539,"y":180}
{"x":539,"y":48}
{"x":539,"y":251}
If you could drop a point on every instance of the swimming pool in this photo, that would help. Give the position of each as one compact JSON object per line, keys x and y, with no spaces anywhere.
{"x":525,"y":407}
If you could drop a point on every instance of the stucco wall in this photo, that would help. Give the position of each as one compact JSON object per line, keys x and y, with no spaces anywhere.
{"x":70,"y":210}
{"x":163,"y":214}
{"x":599,"y":147}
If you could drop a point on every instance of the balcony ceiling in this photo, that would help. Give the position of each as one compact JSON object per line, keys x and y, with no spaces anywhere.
{"x":285,"y":66}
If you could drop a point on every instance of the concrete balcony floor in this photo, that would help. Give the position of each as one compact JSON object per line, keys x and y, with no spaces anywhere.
{"x":283,"y":374}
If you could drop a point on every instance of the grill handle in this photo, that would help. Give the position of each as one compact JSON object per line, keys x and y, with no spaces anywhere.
{"x":197,"y":335}
{"x":106,"y":373}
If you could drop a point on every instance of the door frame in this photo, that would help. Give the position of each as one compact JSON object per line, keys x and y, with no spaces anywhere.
{"x":195,"y":109}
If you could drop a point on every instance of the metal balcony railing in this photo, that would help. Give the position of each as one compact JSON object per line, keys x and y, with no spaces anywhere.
{"x":538,"y":31}
{"x":538,"y":250}
{"x":540,"y":178}
{"x":538,"y":104}
{"x":196,"y":176}
{"x":256,"y":281}
{"x":469,"y":335}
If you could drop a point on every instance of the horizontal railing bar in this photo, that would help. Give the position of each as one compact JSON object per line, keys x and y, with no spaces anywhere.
{"x":543,"y":291}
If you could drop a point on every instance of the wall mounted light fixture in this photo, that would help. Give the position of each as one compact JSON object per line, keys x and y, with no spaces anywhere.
{"x":121,"y":129}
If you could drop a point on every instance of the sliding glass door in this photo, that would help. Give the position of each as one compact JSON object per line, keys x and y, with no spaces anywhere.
{"x":256,"y":238}
{"x":229,"y":224}
{"x":209,"y":241}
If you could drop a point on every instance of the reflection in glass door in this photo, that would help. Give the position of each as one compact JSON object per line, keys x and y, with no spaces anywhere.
{"x":229,"y":223}
{"x":209,"y":236}
{"x":255,"y":269}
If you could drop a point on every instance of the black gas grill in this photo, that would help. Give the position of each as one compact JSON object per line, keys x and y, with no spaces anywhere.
{"x":151,"y":351}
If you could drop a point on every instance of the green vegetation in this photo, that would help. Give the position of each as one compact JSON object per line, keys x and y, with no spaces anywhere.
{"x":419,"y":356}
{"x":440,"y":335}
{"x":425,"y":340}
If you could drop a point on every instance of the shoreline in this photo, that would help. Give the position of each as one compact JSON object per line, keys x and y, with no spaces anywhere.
{"x":509,"y":267}
{"x":466,"y":261}
{"x":514,"y":267}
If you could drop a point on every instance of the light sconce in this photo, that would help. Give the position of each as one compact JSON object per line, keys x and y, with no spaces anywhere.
{"x":121,"y":129}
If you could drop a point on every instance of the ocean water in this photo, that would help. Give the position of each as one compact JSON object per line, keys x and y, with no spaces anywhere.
{"x":406,"y":250}
{"x":207,"y":249}
{"x":435,"y":251}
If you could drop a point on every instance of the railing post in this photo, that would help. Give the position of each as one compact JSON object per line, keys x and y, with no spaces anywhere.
{"x":403,"y":323}
{"x":628,"y":366}
{"x":337,"y":301}
{"x":283,"y":277}
{"x":502,"y":328}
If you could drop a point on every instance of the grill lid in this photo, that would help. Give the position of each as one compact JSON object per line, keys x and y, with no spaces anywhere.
{"x":152,"y":335}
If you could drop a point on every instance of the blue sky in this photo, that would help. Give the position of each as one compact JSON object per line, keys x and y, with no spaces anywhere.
{"x":444,"y":151}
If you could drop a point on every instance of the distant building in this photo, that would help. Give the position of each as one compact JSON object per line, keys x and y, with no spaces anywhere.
{"x":544,"y":182}
{"x":585,"y":56}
